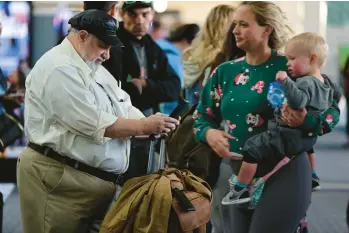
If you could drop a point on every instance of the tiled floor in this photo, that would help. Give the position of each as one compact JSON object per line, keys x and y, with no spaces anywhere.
{"x":326,"y":213}
{"x":12,"y":220}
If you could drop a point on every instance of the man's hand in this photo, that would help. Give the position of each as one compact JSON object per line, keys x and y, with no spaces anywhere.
{"x":144,"y":82}
{"x":158,"y":124}
{"x":218,"y":141}
{"x":292,"y":117}
{"x":281,"y":75}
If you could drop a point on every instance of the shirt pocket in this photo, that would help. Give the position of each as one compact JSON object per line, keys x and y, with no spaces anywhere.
{"x":120,"y":101}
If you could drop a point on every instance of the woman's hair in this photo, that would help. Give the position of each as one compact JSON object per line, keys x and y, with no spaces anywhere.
{"x":229,"y":51}
{"x":269,"y":14}
{"x":184,"y":32}
{"x":209,"y":41}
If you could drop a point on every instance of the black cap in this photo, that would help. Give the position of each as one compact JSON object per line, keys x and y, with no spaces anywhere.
{"x":98,"y":23}
{"x":128,"y":5}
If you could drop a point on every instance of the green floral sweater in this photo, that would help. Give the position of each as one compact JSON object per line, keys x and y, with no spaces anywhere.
{"x":235,"y":100}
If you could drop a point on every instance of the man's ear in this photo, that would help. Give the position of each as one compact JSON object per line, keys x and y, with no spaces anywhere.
{"x":82,"y":36}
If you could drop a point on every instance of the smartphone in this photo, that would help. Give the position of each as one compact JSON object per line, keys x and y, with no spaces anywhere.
{"x":183,"y":105}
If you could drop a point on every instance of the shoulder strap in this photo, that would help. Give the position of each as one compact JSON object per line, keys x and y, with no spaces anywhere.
{"x":282,"y":163}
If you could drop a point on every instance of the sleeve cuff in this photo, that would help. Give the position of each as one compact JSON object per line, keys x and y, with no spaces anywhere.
{"x":201,"y":135}
{"x":309,"y":124}
{"x":286,"y":83}
{"x":135,"y":113}
{"x":105,"y":120}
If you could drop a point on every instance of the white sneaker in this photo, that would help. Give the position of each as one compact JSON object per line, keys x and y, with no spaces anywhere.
{"x":236,"y":197}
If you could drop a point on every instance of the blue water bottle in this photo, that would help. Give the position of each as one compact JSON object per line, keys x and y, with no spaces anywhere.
{"x":276,"y":95}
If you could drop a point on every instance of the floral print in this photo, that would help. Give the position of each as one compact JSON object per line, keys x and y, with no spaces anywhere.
{"x":259,"y":87}
{"x":242,"y":79}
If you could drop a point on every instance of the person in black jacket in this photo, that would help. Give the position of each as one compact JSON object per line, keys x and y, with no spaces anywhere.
{"x":146,"y":74}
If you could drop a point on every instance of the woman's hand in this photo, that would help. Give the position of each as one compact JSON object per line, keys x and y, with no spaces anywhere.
{"x":218,"y":141}
{"x":293,"y":118}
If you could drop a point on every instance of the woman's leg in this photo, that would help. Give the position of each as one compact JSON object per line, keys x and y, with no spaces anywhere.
{"x":286,"y":198}
{"x":227,"y":219}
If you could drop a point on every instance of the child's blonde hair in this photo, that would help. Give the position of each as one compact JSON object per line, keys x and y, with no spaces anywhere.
{"x":311,"y":43}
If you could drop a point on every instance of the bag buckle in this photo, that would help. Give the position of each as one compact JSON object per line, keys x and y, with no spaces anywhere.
{"x":119,"y":179}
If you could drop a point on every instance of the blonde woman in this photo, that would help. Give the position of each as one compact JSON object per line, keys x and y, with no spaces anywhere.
{"x":205,"y":48}
{"x":239,"y":89}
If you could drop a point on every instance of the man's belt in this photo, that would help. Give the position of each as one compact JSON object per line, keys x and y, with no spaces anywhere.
{"x":104,"y":175}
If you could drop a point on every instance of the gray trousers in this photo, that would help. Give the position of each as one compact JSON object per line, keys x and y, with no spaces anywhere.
{"x":276,"y":143}
{"x":286,"y":198}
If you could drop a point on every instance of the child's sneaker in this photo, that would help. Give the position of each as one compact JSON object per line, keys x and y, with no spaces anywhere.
{"x":236,"y":197}
{"x":315,"y":182}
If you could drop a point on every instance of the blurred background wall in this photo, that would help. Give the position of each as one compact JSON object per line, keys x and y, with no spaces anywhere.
{"x":330,"y":19}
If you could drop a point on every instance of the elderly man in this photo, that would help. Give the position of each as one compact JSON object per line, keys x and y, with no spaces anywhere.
{"x":79,"y":123}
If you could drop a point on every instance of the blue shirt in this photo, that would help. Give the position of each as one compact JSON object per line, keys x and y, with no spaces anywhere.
{"x":174,"y":57}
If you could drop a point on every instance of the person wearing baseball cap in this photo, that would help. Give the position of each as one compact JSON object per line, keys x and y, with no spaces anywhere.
{"x":130,"y":5}
{"x":146,"y":74}
{"x":79,"y":123}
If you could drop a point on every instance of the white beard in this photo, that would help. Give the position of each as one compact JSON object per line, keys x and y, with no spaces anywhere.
{"x":94,"y":66}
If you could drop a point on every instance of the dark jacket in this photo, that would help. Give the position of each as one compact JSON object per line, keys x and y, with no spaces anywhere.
{"x":162,"y":84}
{"x":3,"y":82}
{"x":114,"y":64}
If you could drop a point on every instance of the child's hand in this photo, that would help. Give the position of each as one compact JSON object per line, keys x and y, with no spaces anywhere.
{"x":281,"y":75}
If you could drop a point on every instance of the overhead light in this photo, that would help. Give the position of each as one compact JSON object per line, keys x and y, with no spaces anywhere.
{"x":160,"y":6}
